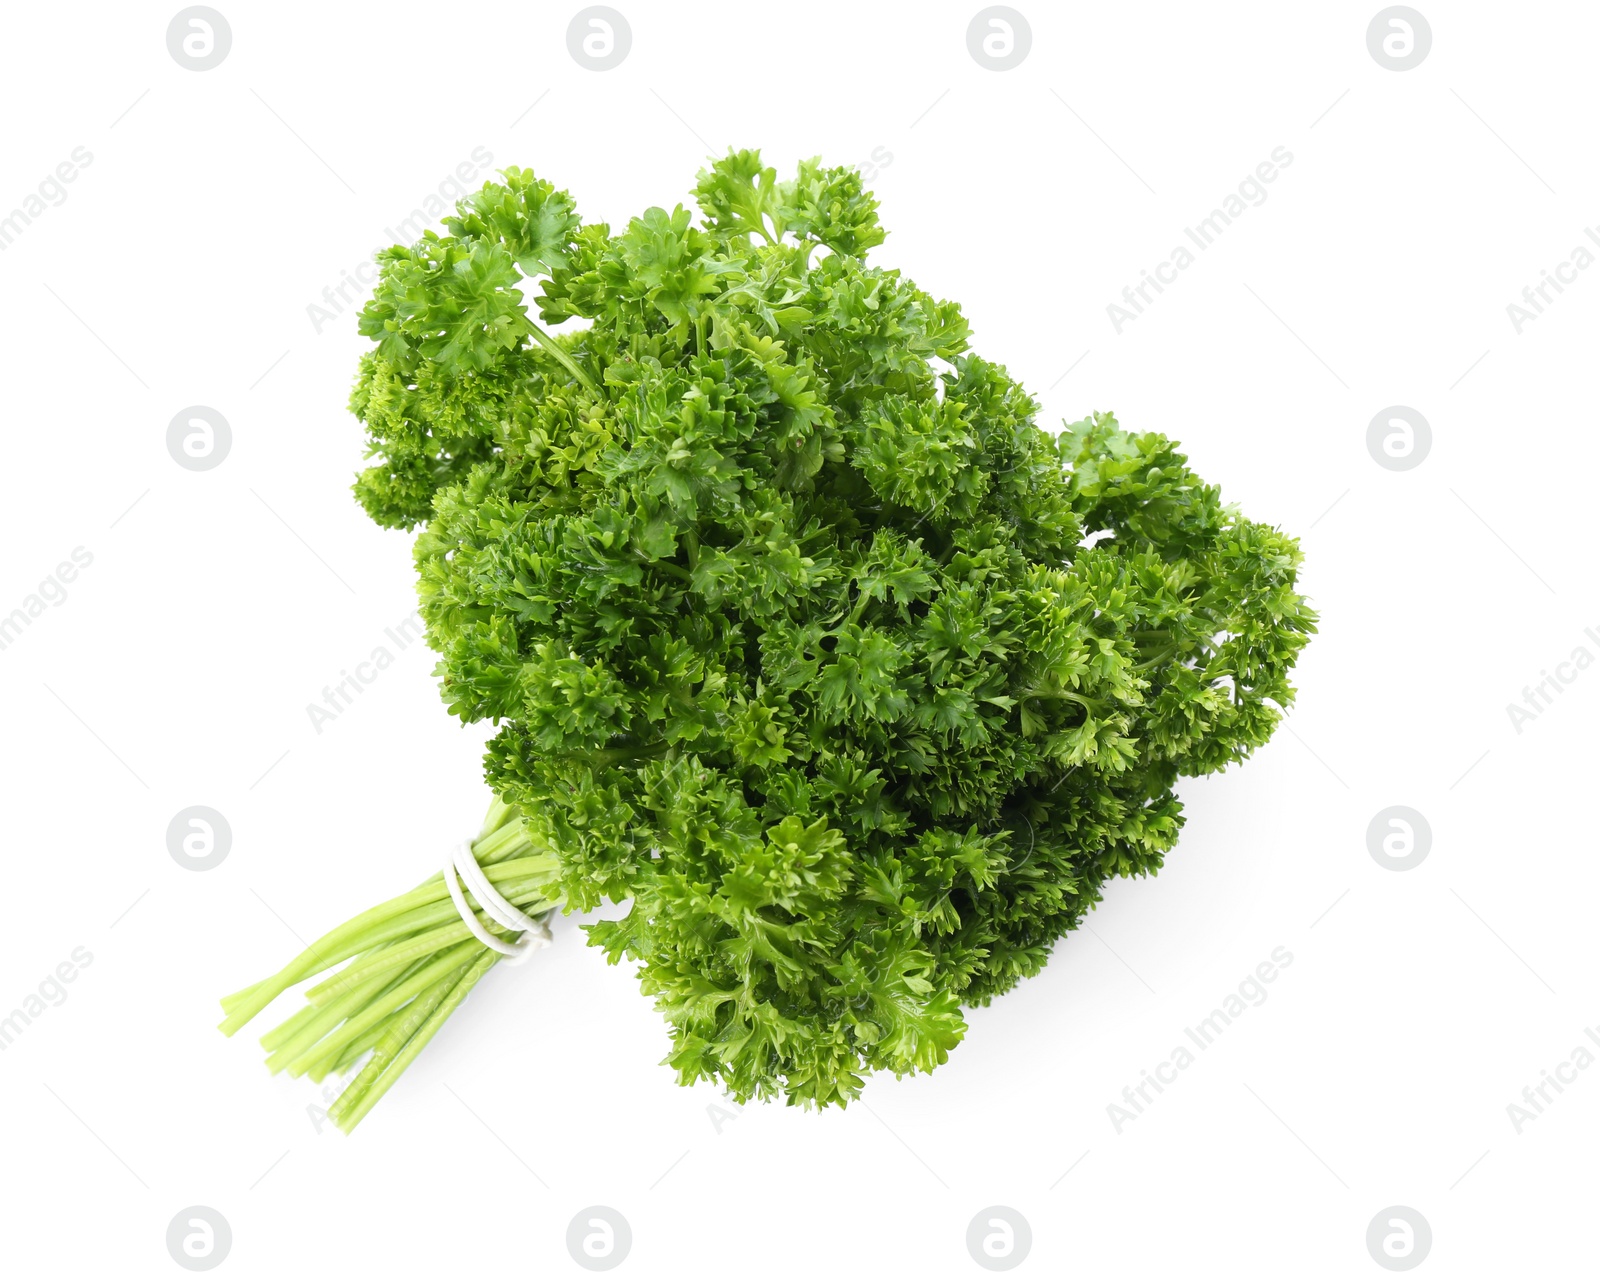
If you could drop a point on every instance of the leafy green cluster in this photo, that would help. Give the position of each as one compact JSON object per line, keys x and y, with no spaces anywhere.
{"x":790,"y":615}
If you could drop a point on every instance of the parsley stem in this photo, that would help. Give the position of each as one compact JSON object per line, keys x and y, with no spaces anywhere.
{"x":1157,"y":658}
{"x":423,"y":944}
{"x":627,"y":754}
{"x":1063,"y":696}
{"x":410,"y":1041}
{"x":414,"y":960}
{"x":672,"y":570}
{"x":326,"y":1018}
{"x":447,"y":961}
{"x":862,"y":600}
{"x":565,"y":360}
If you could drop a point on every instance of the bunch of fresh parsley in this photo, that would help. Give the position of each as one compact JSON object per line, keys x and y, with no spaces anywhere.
{"x":802,"y":637}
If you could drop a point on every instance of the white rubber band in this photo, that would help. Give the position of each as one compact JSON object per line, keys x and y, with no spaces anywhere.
{"x":535,"y":932}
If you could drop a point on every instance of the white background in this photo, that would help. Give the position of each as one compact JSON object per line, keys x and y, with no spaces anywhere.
{"x":179,"y":270}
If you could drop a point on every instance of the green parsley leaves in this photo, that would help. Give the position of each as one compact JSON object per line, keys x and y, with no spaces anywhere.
{"x":787,"y":612}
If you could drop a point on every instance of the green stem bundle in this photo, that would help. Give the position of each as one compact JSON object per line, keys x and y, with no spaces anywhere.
{"x":412,"y":961}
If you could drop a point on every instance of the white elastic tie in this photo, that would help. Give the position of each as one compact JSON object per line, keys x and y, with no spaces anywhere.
{"x":535,"y":932}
